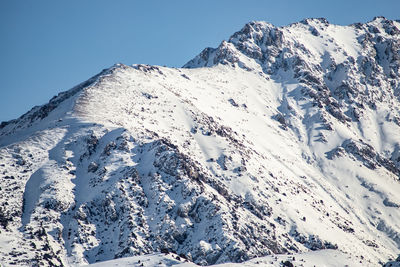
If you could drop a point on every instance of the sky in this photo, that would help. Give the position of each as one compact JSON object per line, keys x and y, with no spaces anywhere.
{"x":49,"y":46}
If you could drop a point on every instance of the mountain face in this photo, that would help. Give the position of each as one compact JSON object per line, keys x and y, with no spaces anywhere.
{"x":281,"y":140}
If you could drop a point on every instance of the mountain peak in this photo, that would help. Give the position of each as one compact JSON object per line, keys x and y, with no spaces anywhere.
{"x":282,"y":140}
{"x":379,"y":19}
{"x":260,"y":43}
{"x":309,"y":21}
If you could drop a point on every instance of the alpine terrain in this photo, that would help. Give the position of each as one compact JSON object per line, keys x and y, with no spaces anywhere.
{"x":282,"y":140}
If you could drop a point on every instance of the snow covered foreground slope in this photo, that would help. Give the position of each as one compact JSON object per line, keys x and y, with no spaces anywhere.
{"x":287,"y":141}
{"x":326,"y":258}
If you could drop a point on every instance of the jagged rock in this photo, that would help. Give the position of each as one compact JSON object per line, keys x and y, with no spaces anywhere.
{"x":364,"y":153}
{"x":93,"y":167}
{"x":389,"y":203}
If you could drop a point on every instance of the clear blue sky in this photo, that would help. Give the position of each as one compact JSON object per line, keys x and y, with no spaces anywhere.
{"x":49,"y":46}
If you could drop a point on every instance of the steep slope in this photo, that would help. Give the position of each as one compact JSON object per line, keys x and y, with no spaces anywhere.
{"x":286,"y":141}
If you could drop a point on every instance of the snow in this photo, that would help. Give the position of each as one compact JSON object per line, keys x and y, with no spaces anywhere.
{"x":224,"y":163}
{"x":324,"y":258}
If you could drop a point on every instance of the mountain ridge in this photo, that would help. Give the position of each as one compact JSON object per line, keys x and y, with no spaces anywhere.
{"x":285,"y":143}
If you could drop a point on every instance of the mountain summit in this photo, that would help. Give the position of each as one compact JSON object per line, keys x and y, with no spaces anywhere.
{"x":280,"y":140}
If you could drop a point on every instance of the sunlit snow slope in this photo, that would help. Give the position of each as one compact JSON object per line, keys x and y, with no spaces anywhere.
{"x":281,"y":140}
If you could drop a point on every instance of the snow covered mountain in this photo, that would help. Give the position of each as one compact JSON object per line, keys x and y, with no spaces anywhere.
{"x":281,"y":140}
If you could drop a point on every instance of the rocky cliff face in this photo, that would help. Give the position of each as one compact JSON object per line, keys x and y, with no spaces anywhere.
{"x":281,"y":140}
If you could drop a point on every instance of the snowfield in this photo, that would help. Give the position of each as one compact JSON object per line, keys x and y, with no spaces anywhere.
{"x":282,"y":144}
{"x":323,"y":258}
